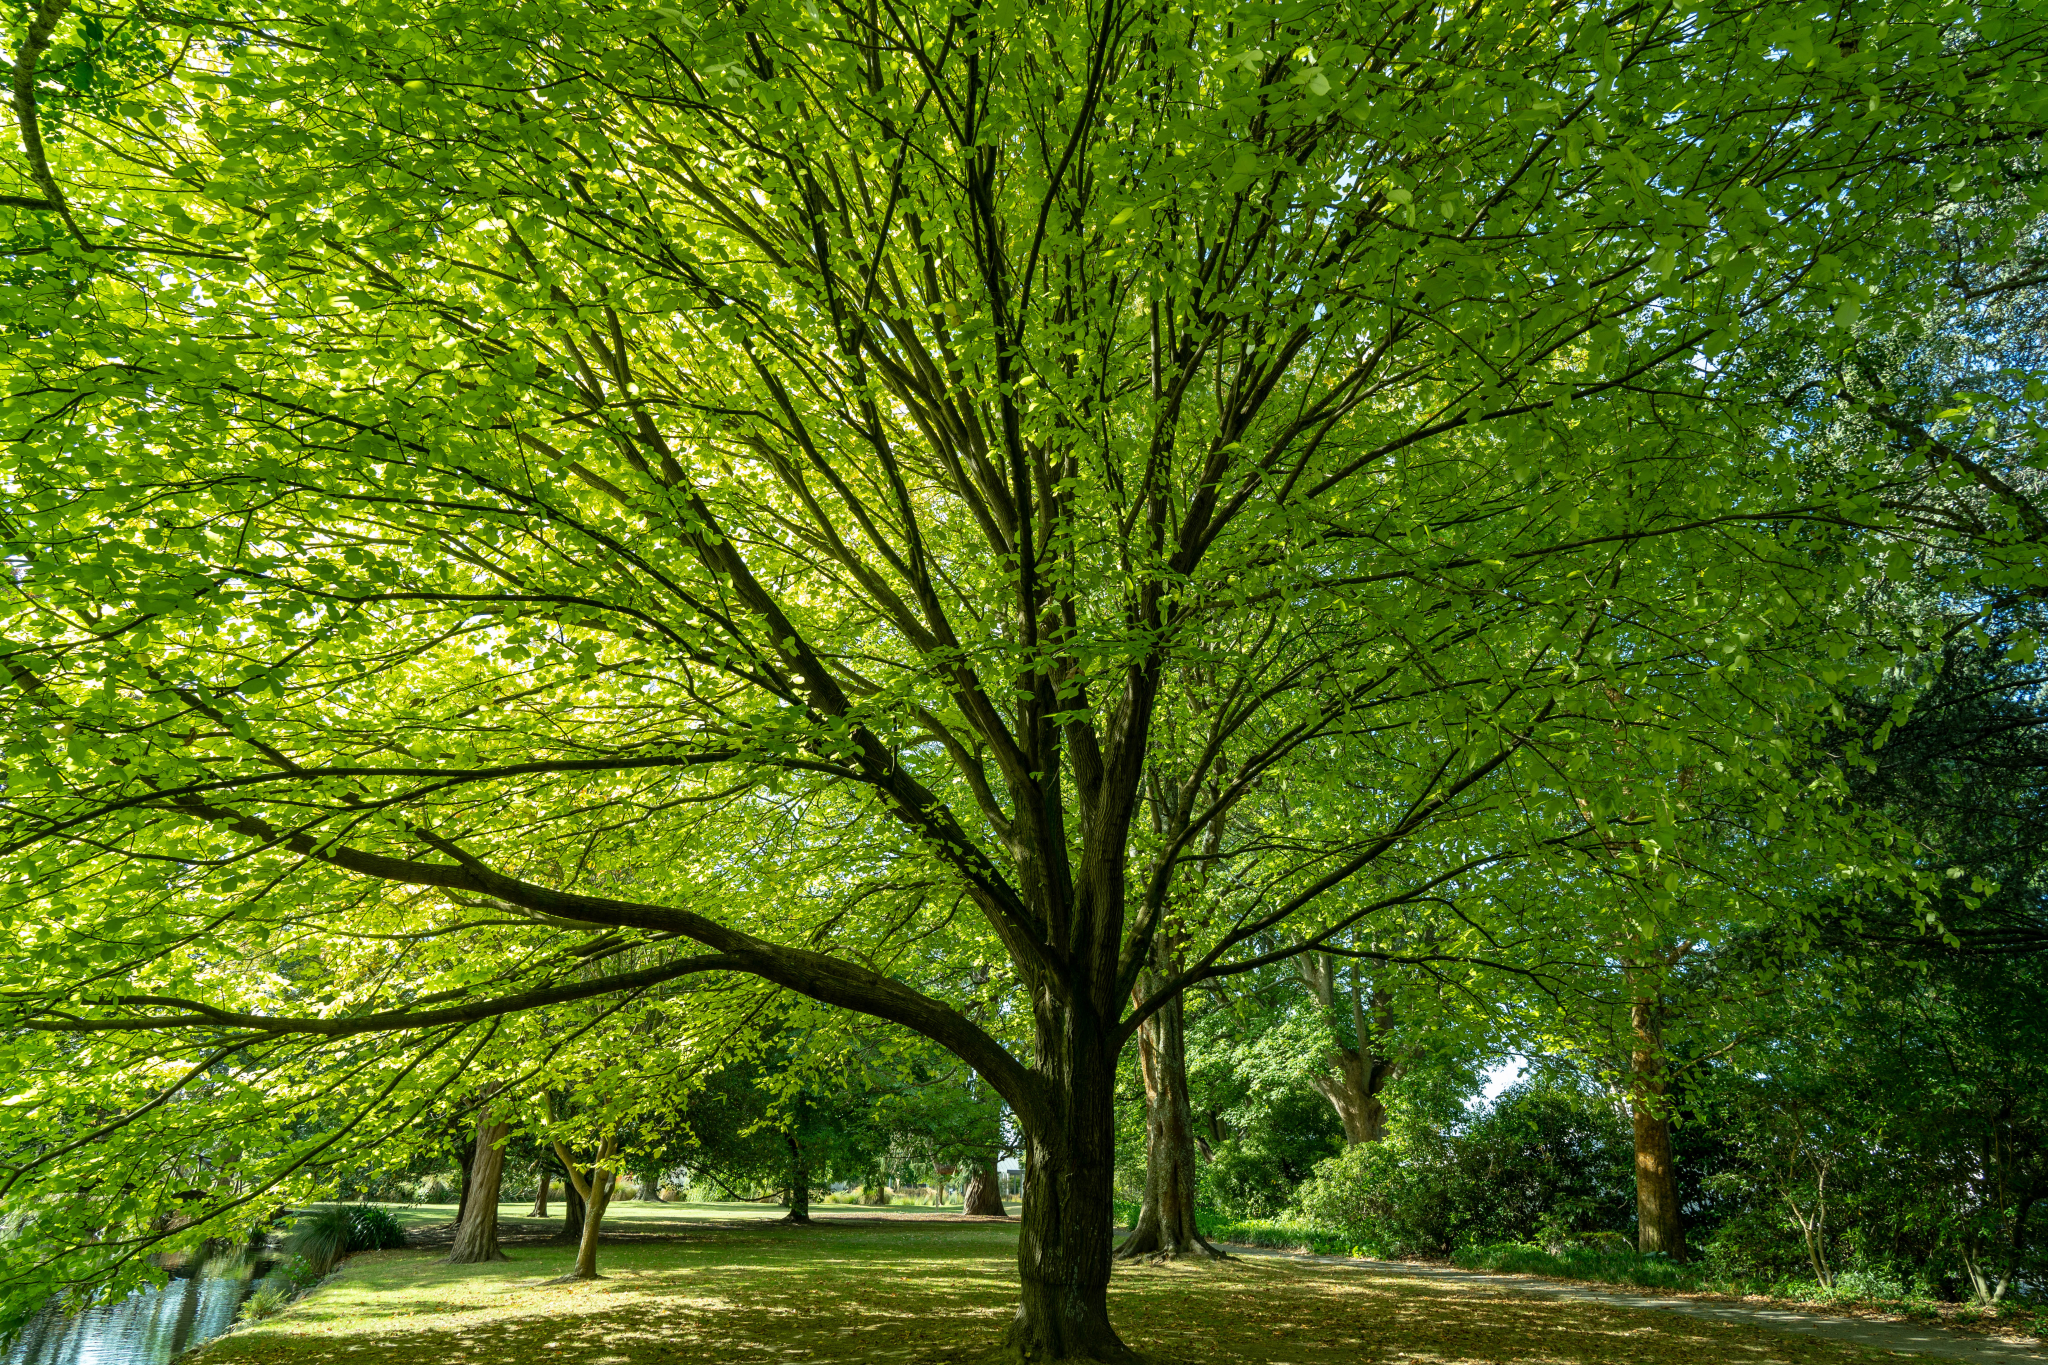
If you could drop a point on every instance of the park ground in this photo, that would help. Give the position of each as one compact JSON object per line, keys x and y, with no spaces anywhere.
{"x":709,"y":1282}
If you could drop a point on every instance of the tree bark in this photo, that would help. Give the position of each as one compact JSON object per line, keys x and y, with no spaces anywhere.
{"x":984,"y":1197}
{"x":1063,"y":1246}
{"x":799,"y":1214}
{"x":1660,"y":1225}
{"x":1166,"y":1221}
{"x":572,"y":1211}
{"x":1355,"y":1073}
{"x":597,"y":1193}
{"x":476,"y":1230}
{"x":465,"y":1162}
{"x":540,"y":1197}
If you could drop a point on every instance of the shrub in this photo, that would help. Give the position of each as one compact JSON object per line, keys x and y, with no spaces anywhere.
{"x":1544,"y":1165}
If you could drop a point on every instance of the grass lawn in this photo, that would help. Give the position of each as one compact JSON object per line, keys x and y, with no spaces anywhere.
{"x":711,"y":1283}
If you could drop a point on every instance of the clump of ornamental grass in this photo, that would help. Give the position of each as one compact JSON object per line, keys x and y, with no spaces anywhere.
{"x":326,"y":1235}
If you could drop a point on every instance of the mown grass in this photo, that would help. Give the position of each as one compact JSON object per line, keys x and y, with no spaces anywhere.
{"x":932,"y":1289}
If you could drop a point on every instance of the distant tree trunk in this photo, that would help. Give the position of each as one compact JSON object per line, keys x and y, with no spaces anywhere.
{"x":597,"y":1193}
{"x":984,"y":1197}
{"x":540,"y":1197}
{"x":799,"y":1184}
{"x":572,"y":1211}
{"x":1659,"y":1224}
{"x":1356,"y":1073}
{"x":1166,"y":1221}
{"x":476,"y":1230}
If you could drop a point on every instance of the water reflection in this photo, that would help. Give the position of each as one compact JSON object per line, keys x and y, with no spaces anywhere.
{"x":146,"y":1328}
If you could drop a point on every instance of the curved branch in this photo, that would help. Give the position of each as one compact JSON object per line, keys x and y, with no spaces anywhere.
{"x":386,"y":1021}
{"x":33,"y":44}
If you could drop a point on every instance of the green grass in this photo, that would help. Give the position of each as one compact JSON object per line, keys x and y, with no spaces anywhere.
{"x":1279,"y":1234}
{"x":924,"y":1289}
{"x":1583,"y":1263}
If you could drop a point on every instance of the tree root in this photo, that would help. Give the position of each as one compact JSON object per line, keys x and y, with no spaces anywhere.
{"x":1148,"y":1245}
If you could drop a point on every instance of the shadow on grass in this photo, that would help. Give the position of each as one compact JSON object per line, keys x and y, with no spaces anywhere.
{"x":940,"y":1294}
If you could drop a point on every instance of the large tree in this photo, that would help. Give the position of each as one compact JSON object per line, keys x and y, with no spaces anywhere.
{"x":553,"y":474}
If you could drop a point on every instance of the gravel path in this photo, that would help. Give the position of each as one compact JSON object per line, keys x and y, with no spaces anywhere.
{"x":1905,"y":1338}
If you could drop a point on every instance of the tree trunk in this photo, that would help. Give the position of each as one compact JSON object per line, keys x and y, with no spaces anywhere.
{"x":1352,"y":1085}
{"x":1166,"y":1222}
{"x":597,"y":1193}
{"x":465,"y":1163}
{"x":1063,"y":1244}
{"x":601,"y":1186}
{"x":1659,"y":1224}
{"x":1355,"y":1073}
{"x":572,"y":1211}
{"x":540,"y":1197}
{"x":476,"y":1230}
{"x":799,"y":1214}
{"x":984,"y":1197}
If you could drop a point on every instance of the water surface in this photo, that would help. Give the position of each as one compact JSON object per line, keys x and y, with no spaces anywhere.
{"x":147,"y":1328}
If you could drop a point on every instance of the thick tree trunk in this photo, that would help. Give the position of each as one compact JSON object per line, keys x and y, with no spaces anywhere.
{"x":1659,"y":1223}
{"x":476,"y":1230}
{"x":1352,"y":1085}
{"x":984,"y":1197}
{"x":1166,"y":1222}
{"x":540,"y":1196}
{"x":1063,"y":1245}
{"x":1356,"y":1072}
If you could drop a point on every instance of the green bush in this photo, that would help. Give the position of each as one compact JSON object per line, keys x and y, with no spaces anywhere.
{"x":1544,"y":1164}
{"x":1253,"y":1175}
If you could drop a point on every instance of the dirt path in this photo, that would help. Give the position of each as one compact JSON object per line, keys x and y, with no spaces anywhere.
{"x":1905,"y":1338}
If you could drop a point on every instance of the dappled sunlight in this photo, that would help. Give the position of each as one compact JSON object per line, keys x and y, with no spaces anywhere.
{"x":943,"y":1294}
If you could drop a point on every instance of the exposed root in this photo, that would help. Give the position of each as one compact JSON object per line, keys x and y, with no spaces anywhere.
{"x":1146,"y":1244}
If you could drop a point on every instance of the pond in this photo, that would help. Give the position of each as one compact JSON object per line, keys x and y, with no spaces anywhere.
{"x":148,"y":1327}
